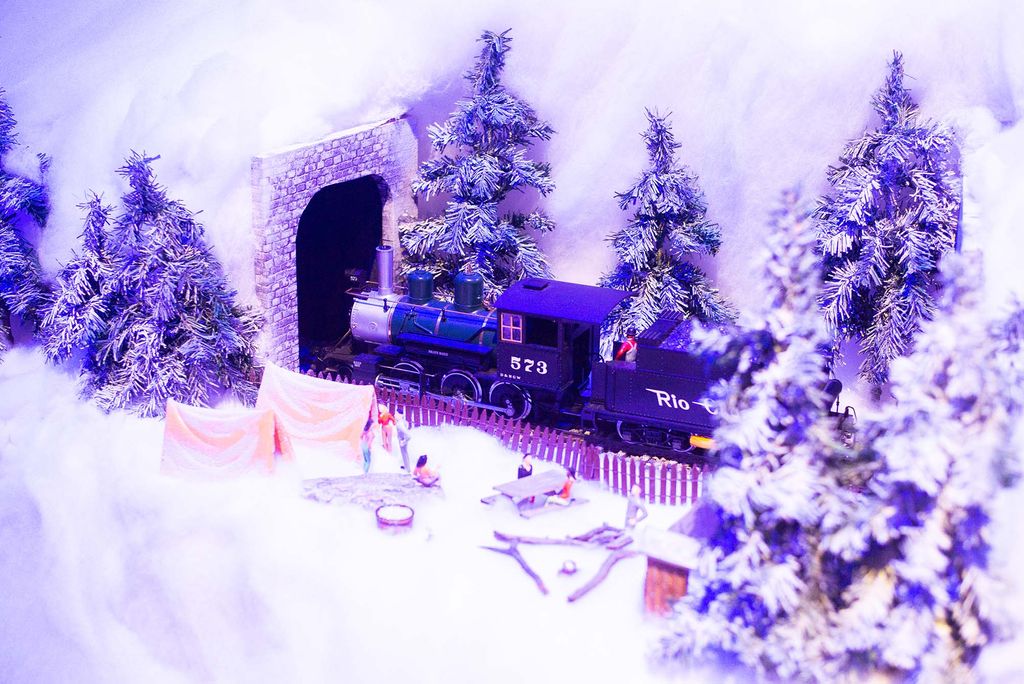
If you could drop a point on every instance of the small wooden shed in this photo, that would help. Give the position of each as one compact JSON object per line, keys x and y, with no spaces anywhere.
{"x":671,"y":554}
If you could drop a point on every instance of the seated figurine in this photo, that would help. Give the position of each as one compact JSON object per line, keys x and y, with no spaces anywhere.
{"x":627,"y":352}
{"x":564,"y":497}
{"x":424,"y":475}
{"x":526,"y":467}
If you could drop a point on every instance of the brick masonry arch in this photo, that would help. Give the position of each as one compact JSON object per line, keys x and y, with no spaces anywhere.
{"x":283,"y":184}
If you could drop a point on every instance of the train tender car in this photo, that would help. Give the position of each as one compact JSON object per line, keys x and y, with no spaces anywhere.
{"x":658,"y":399}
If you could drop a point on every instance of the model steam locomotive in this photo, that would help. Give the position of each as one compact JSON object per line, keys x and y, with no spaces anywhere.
{"x":533,"y":354}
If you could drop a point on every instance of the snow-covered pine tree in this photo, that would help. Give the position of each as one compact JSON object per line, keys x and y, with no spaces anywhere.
{"x":482,"y":147}
{"x":176,"y":331}
{"x":892,"y":212}
{"x":83,"y":301}
{"x":762,"y":596}
{"x":669,"y":224}
{"x":22,"y":290}
{"x":923,"y":600}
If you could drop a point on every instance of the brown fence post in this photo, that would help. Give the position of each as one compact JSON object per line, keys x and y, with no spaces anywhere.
{"x":652,"y":478}
{"x":594,"y":460}
{"x":665,"y":484}
{"x":527,"y":439}
{"x":673,"y":486}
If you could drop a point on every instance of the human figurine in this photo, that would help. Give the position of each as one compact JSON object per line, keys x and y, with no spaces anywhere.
{"x":387,"y":428}
{"x":627,"y":352}
{"x":563,"y":497}
{"x":402,"y":429}
{"x":635,"y":508}
{"x":526,"y":470}
{"x":424,"y":475}
{"x":366,"y":441}
{"x":526,"y":467}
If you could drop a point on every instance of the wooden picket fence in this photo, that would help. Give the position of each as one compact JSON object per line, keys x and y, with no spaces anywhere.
{"x":659,"y":481}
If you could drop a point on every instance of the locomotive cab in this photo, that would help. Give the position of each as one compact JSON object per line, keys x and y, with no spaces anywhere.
{"x":548,"y":337}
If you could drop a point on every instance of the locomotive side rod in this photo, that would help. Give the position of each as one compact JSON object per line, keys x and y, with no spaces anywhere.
{"x":505,"y":411}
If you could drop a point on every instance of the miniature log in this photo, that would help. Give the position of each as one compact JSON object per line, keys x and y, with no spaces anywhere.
{"x":514,"y":552}
{"x":513,"y":539}
{"x":596,"y":532}
{"x":601,"y":574}
{"x":619,"y":542}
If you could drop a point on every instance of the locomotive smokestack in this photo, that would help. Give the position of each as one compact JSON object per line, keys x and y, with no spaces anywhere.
{"x":385,"y":269}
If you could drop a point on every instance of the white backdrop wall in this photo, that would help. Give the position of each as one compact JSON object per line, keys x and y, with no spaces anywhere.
{"x":762,"y":95}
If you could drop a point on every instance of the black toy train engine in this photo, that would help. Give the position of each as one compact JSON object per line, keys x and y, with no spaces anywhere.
{"x":418,"y":343}
{"x":534,"y":354}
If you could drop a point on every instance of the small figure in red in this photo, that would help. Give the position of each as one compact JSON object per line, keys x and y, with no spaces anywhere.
{"x":564,"y":497}
{"x":424,"y":475}
{"x":627,"y":352}
{"x":387,"y":428}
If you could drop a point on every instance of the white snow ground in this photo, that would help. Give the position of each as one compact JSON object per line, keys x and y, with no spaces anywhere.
{"x":109,"y":572}
{"x":112,"y":572}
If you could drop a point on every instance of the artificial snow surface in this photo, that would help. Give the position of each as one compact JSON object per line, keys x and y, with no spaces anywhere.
{"x":109,"y":572}
{"x":113,"y":572}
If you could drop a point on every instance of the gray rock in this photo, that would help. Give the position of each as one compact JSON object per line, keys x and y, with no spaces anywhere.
{"x":369,"y":491}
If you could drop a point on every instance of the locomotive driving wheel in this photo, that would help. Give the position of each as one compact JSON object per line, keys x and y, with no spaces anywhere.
{"x":461,"y":385}
{"x":404,"y":377}
{"x":627,"y":432}
{"x":514,"y":400}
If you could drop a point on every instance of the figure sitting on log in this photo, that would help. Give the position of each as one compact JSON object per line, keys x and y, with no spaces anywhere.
{"x":423,"y":474}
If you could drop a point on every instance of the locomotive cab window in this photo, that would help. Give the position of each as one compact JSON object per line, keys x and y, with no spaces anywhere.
{"x":541,"y":331}
{"x":511,"y":327}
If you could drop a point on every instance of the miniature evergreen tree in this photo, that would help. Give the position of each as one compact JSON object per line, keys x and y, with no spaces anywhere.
{"x":669,"y":225}
{"x":175,"y":330}
{"x":486,"y":138}
{"x":83,"y":302}
{"x":22,"y":290}
{"x":763,"y":595}
{"x":923,"y":600}
{"x":892,"y":212}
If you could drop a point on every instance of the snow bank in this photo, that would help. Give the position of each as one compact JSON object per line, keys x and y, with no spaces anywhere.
{"x":111,"y":572}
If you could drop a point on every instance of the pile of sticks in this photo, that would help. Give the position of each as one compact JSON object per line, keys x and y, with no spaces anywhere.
{"x":606,"y":536}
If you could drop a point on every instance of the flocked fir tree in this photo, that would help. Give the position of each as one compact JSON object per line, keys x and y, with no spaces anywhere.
{"x":892,"y":212}
{"x":84,"y":299}
{"x":22,"y":290}
{"x":669,"y":225}
{"x":923,"y":600}
{"x":837,"y":565}
{"x":763,"y":593}
{"x":174,"y":329}
{"x":482,"y":147}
